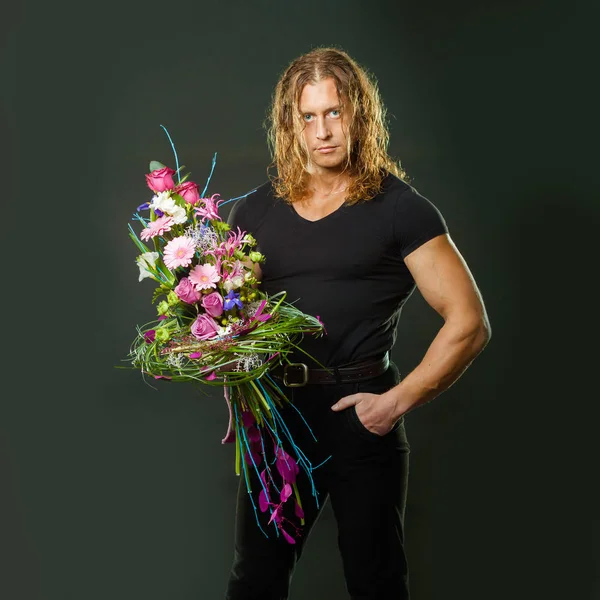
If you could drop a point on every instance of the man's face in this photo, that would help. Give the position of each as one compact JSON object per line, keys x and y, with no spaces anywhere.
{"x":324,"y":127}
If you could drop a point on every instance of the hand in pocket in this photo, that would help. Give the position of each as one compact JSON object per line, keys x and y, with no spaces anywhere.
{"x":376,"y":412}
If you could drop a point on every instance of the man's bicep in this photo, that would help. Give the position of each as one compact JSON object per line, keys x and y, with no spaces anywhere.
{"x":444,"y":279}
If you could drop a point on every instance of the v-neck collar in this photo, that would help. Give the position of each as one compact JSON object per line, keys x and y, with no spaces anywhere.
{"x":299,"y":217}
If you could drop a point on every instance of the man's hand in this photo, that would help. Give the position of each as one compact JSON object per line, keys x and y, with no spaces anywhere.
{"x":377,"y":412}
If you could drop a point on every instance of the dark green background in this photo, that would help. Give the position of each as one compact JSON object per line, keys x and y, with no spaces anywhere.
{"x":113,"y":490}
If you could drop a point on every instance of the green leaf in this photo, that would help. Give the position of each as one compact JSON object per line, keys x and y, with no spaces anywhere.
{"x":155,"y":165}
{"x":179,"y":200}
{"x":141,"y":246}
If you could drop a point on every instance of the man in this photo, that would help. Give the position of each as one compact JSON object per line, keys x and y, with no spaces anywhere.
{"x":349,"y":240}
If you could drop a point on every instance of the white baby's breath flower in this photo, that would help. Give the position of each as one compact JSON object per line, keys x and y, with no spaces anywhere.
{"x":228,"y":285}
{"x":251,"y":307}
{"x":143,"y":261}
{"x":221,"y":331}
{"x":248,"y":362}
{"x":176,"y":360}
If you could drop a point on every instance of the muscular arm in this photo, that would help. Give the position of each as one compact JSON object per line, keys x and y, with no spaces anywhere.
{"x":444,"y":280}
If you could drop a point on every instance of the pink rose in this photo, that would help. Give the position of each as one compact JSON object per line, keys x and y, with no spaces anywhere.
{"x":161,"y":179}
{"x":204,"y":327}
{"x":213,"y":304}
{"x":187,"y":292}
{"x":188,"y":191}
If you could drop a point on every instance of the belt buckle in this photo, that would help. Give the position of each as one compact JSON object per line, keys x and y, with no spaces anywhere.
{"x":303,"y":370}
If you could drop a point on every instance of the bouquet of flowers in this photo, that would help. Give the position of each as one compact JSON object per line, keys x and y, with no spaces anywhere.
{"x":215,"y":326}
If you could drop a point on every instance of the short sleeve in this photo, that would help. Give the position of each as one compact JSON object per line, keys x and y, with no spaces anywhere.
{"x":416,"y":221}
{"x":249,"y":210}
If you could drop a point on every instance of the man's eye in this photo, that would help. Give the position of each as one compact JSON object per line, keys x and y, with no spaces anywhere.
{"x":307,"y":117}
{"x":335,"y":111}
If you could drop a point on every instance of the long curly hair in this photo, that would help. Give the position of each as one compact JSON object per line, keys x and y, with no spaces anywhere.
{"x":364,"y":117}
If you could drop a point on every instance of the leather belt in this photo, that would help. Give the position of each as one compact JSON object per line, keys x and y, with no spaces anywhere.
{"x":299,"y":375}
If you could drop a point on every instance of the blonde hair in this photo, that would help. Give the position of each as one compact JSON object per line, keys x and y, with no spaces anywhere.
{"x":367,"y":137}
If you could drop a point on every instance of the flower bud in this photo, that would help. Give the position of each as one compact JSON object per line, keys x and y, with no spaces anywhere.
{"x":162,"y":308}
{"x":162,"y":335}
{"x":256,"y":257}
{"x":172,"y":298}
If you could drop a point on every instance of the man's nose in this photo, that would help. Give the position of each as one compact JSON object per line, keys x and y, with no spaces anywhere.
{"x":322,"y":130}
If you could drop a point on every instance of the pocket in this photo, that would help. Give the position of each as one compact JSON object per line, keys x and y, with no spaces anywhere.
{"x":377,"y":385}
{"x":358,"y":425}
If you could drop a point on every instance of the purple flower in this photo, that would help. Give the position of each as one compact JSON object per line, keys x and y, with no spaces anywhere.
{"x":150,"y":335}
{"x":275,"y":515}
{"x":286,"y":492}
{"x":263,"y":501}
{"x":248,"y":418}
{"x":213,"y":304}
{"x":287,"y":536}
{"x":253,"y":435}
{"x":186,"y":291}
{"x":231,"y":300}
{"x":204,"y":327}
{"x":144,"y":206}
{"x":256,"y":458}
{"x":159,"y":213}
{"x":286,"y":465}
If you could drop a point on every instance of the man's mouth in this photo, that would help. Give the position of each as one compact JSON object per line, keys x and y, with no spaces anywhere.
{"x":326,"y":149}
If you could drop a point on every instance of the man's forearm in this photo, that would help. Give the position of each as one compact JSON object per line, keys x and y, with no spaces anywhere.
{"x":451,"y":352}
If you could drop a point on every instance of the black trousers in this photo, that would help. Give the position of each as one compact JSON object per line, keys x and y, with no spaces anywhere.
{"x":366,"y":479}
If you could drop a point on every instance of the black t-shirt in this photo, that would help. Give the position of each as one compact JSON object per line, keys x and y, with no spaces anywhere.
{"x":346,"y":268}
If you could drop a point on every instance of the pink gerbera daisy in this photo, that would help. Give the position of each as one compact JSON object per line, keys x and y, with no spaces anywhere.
{"x":157,"y":227}
{"x":204,"y":276}
{"x":179,"y":252}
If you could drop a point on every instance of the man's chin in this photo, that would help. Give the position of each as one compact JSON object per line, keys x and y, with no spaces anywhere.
{"x":329,"y":162}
